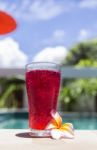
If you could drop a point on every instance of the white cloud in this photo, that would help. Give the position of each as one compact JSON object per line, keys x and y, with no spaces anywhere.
{"x":44,"y":10}
{"x":88,"y":4}
{"x":52,"y":54}
{"x":59,"y":34}
{"x":83,"y":34}
{"x":10,"y":54}
{"x":57,"y":37}
{"x":34,"y":10}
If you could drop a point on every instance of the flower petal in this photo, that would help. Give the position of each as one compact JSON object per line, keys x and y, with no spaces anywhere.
{"x":56,"y":122}
{"x":66,"y":134}
{"x":58,"y":134}
{"x":70,"y":125}
{"x":57,"y":118}
{"x":67,"y":127}
{"x":51,"y":126}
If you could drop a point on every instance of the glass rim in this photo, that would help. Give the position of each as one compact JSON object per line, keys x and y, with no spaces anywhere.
{"x":44,"y":62}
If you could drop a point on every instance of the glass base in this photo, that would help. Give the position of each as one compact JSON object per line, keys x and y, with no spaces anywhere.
{"x":39,"y":133}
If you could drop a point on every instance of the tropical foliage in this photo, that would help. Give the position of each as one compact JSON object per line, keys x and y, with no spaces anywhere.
{"x":82,"y":51}
{"x":11,"y":92}
{"x":80,"y":94}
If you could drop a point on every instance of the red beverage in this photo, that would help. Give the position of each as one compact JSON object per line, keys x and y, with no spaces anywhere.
{"x":42,"y":89}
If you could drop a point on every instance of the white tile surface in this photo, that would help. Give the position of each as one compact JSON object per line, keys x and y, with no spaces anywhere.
{"x":18,"y":139}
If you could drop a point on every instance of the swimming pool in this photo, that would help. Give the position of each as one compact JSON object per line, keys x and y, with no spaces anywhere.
{"x":20,"y":121}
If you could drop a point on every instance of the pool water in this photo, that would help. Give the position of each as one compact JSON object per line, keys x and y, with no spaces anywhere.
{"x":79,"y":123}
{"x":83,"y":123}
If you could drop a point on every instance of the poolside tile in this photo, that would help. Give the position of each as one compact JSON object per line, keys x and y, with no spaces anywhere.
{"x":16,"y":139}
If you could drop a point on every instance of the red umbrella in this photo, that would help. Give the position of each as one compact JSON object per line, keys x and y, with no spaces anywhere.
{"x":7,"y":23}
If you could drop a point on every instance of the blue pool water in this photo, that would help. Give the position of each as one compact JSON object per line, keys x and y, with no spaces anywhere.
{"x":22,"y":123}
{"x":83,"y":123}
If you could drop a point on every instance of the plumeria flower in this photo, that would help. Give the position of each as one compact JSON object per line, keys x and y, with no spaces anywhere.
{"x":59,"y":130}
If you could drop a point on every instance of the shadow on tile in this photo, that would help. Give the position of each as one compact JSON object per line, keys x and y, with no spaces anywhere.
{"x":24,"y":135}
{"x":27,"y":135}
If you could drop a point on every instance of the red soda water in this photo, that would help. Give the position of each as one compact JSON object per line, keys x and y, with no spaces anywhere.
{"x":42,"y":89}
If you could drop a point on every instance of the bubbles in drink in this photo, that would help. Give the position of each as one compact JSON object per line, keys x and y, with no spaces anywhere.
{"x":42,"y":89}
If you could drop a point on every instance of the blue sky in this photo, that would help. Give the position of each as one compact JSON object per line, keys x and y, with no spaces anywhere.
{"x":51,"y":23}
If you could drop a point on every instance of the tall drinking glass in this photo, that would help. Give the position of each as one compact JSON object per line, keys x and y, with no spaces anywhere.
{"x":42,"y":84}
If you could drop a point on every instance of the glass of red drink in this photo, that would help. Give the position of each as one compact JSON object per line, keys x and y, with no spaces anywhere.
{"x":43,"y":85}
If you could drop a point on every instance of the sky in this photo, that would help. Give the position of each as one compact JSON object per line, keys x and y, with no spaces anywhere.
{"x":46,"y":29}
